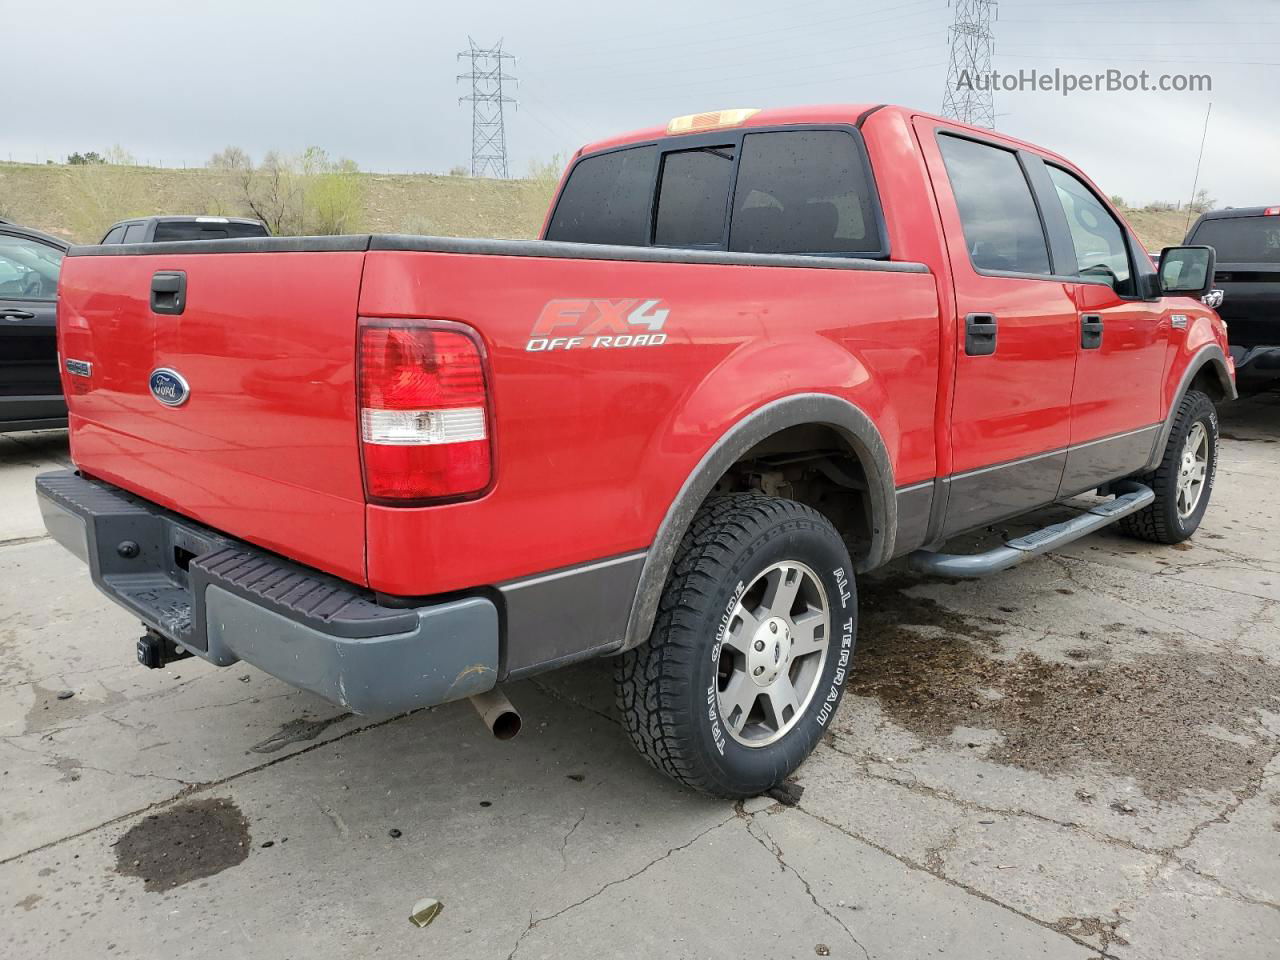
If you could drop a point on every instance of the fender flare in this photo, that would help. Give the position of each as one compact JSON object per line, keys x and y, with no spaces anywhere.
{"x":1206,"y":356}
{"x":854,"y":426}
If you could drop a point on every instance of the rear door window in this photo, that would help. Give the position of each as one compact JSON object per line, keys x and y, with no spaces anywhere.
{"x":114,"y":235}
{"x":1241,"y":239}
{"x":607,"y":199}
{"x":135,"y":232}
{"x":804,"y":191}
{"x":693,"y":197}
{"x":1002,"y":228}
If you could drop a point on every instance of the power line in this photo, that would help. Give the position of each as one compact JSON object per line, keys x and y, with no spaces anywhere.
{"x":488,"y":107}
{"x":972,"y":46}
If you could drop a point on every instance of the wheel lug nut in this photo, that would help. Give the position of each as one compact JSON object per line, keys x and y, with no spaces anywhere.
{"x":757,"y":671}
{"x":759,"y":644}
{"x":773,"y":628}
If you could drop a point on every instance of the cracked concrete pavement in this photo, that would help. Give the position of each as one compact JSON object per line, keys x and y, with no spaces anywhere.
{"x":1079,"y":758}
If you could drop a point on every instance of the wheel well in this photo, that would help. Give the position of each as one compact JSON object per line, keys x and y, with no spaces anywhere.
{"x":1210,"y":380}
{"x":815,"y":465}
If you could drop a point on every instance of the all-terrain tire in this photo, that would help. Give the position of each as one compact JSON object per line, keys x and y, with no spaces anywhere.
{"x":1161,"y":522}
{"x":667,"y":686}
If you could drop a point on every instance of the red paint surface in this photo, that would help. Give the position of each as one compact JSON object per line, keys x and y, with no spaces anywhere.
{"x":590,"y":446}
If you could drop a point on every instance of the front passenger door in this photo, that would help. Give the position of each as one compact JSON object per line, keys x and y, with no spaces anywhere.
{"x":1123,"y":340}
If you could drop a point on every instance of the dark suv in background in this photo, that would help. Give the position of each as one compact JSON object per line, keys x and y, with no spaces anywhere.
{"x":165,"y":229}
{"x":1247,"y":240}
{"x":30,"y":389}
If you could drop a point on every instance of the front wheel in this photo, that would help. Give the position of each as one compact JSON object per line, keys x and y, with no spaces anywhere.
{"x":1183,"y":482}
{"x":747,"y":659}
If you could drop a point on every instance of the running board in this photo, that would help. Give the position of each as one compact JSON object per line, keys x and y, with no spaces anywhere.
{"x":1131,"y":498}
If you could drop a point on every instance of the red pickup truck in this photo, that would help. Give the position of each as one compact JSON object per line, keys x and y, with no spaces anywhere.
{"x":753,"y":354}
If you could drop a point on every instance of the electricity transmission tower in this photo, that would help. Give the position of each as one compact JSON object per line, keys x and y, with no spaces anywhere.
{"x":488,"y":133}
{"x":968,"y":97}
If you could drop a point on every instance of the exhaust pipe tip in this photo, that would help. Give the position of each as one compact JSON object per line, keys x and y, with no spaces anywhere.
{"x":506,"y":725}
{"x":502,"y":719}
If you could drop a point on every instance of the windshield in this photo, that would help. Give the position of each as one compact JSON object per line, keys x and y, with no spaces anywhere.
{"x":1241,"y":239}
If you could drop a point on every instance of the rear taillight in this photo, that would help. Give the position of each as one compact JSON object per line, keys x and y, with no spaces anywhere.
{"x":424,"y":411}
{"x":1271,"y":212}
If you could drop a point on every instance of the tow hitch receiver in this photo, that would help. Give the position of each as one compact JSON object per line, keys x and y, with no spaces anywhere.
{"x":156,"y":651}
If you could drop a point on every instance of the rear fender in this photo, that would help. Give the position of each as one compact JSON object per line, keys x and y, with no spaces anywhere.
{"x":850,"y":421}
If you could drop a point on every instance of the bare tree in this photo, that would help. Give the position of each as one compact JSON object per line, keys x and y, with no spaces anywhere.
{"x":1202,"y":201}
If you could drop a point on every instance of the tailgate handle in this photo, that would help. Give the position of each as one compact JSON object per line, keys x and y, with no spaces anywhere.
{"x":169,"y":291}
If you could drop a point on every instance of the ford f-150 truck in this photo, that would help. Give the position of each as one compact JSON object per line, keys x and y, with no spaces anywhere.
{"x":753,"y":354}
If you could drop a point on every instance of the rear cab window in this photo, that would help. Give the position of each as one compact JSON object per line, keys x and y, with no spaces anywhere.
{"x":1241,"y":239}
{"x":790,"y":190}
{"x":189,"y":230}
{"x":607,"y":199}
{"x":693,"y":196}
{"x":805,"y":191}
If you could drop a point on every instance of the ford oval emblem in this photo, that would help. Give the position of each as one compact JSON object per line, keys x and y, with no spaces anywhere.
{"x":168,"y":387}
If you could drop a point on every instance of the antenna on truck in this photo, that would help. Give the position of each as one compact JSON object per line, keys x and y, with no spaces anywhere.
{"x":1195,"y":183}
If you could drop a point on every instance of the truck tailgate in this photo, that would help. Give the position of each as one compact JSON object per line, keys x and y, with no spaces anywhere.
{"x":264,"y":447}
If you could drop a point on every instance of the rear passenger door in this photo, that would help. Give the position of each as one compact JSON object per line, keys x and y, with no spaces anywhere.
{"x":1016,"y":339}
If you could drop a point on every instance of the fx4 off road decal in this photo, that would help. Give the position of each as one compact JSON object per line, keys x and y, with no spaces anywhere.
{"x":598,"y":325}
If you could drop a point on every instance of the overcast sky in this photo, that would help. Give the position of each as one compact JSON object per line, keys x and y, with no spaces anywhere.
{"x":172,"y":82}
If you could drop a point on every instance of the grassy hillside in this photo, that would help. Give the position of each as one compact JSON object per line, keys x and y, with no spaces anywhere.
{"x":79,"y":203}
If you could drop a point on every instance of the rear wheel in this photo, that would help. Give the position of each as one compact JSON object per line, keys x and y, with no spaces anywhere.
{"x":1183,"y":482}
{"x":746,"y":662}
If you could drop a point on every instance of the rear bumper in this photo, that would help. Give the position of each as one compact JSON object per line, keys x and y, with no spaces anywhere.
{"x":1256,"y":367}
{"x":226,"y":601}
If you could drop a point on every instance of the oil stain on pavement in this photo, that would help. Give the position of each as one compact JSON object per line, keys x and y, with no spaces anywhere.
{"x":1175,"y":722}
{"x":186,"y":842}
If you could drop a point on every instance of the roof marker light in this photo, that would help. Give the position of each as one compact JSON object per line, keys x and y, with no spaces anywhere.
{"x":713,"y":120}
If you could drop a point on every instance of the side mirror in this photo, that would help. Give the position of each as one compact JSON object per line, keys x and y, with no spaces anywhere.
{"x":1186,"y":271}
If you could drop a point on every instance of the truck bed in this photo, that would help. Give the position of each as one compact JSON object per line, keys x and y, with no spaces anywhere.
{"x":267,"y":450}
